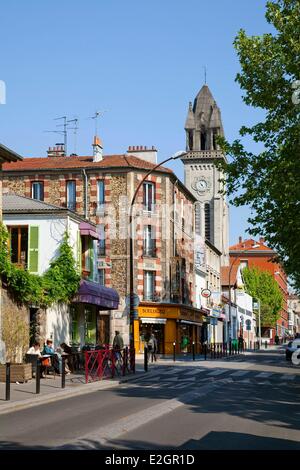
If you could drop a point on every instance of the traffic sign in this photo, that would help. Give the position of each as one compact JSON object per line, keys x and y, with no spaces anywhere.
{"x":206,"y":293}
{"x":213,"y":321}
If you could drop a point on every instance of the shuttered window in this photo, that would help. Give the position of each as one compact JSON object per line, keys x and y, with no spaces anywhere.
{"x":33,"y":265}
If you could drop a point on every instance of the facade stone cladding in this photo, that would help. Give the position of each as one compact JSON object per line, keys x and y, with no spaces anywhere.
{"x":173,"y":228}
{"x":261,"y":257}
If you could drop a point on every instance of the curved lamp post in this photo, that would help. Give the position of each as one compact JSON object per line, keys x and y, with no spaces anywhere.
{"x":131,"y":228}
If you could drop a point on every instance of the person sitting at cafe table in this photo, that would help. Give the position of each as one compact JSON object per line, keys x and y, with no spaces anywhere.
{"x":49,"y":351}
{"x":35,"y":349}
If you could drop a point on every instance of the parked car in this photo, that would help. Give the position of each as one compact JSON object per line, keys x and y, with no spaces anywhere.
{"x":292,"y":347}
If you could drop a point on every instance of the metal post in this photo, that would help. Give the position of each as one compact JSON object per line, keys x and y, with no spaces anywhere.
{"x":174,"y":351}
{"x":266,"y":344}
{"x":205,"y":351}
{"x":63,"y":372}
{"x":38,"y":376}
{"x":7,"y":382}
{"x":259,"y":324}
{"x":145,"y":359}
{"x":214,"y":350}
{"x":193,"y":350}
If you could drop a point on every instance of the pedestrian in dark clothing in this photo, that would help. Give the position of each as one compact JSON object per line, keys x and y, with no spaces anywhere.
{"x":152,"y":347}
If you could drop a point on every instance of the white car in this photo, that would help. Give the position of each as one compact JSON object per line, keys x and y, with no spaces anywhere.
{"x":292,"y":347}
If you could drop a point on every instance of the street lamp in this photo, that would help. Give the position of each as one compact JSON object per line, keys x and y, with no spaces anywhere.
{"x":131,"y":238}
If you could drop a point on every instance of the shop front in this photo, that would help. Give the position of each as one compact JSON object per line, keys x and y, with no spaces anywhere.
{"x":169,"y":323}
{"x":90,"y":314}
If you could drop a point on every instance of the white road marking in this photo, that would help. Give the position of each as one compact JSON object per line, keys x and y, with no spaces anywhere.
{"x":287,"y":377}
{"x":263,"y":375}
{"x":239,"y":373}
{"x":217,"y":372}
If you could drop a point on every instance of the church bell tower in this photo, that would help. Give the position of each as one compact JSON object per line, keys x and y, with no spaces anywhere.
{"x":203,"y":125}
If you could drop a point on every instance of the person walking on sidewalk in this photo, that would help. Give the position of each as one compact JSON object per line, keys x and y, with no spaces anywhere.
{"x":118,"y":344}
{"x":152,"y":347}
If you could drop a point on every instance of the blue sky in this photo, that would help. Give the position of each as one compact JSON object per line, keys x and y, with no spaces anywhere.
{"x":140,"y":61}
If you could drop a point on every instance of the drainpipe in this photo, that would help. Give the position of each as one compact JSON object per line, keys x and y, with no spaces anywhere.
{"x":85,"y":193}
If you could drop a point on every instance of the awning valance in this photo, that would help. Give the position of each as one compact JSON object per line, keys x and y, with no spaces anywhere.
{"x":154,"y":320}
{"x":92,"y":293}
{"x":88,"y":229}
{"x":187,"y":322}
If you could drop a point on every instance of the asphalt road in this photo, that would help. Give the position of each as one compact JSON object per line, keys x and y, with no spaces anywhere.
{"x":248,"y":403}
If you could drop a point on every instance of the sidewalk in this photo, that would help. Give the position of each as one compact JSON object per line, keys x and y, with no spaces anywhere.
{"x":22,"y":395}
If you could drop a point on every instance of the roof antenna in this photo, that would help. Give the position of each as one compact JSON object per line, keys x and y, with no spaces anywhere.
{"x":75,"y":129}
{"x":64,"y":132}
{"x":204,"y":74}
{"x":95,"y":117}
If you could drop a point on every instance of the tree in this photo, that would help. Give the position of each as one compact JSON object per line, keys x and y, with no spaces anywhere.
{"x":270,"y":181}
{"x":261,"y":285}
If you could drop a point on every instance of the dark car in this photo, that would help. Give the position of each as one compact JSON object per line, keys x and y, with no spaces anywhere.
{"x":292,"y":347}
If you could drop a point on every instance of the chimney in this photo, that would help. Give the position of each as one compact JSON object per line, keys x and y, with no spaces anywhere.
{"x":57,"y":151}
{"x":142,"y":152}
{"x":240,"y":239}
{"x":97,"y":150}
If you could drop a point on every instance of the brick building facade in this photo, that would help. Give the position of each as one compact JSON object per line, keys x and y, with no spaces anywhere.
{"x":100,"y":189}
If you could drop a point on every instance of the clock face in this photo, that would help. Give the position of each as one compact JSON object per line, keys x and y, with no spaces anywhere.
{"x":201,"y":185}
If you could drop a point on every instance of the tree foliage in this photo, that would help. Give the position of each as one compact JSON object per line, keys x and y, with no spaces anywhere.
{"x":261,"y":285}
{"x":59,"y":284}
{"x":270,"y":181}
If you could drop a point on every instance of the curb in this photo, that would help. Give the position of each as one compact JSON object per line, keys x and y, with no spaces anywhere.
{"x":63,"y":394}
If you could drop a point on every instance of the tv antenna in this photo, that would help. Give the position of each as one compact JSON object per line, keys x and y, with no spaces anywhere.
{"x":205,"y":73}
{"x":75,"y":129}
{"x":95,"y":117}
{"x":64,"y":132}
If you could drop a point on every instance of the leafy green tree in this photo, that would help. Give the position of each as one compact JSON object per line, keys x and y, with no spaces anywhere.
{"x":61,"y":281}
{"x":269,"y":181}
{"x":261,"y":285}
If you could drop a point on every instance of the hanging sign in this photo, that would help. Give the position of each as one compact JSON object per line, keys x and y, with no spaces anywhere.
{"x":206,"y":293}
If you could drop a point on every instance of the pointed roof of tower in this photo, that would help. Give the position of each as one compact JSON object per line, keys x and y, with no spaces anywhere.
{"x":190,"y":119}
{"x":206,"y":110}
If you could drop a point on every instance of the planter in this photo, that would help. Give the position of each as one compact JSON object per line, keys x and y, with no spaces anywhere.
{"x":18,"y":372}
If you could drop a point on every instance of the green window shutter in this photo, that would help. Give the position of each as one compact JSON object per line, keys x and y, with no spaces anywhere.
{"x":33,"y":265}
{"x":79,"y":252}
{"x":91,"y":255}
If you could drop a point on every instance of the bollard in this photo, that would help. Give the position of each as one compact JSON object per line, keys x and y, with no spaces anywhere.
{"x":193,"y":350}
{"x":63,"y":372}
{"x":205,"y":351}
{"x":145,"y":359}
{"x":229,"y":348}
{"x":174,"y":351}
{"x":38,"y":376}
{"x":7,"y":381}
{"x":266,"y":344}
{"x":214,"y":350}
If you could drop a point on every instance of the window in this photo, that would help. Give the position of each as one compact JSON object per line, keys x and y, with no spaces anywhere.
{"x":100,"y":193}
{"x":18,"y":243}
{"x":101,"y":276}
{"x":74,"y":324}
{"x":37,"y":190}
{"x":149,"y":196}
{"x":86,"y":261}
{"x":243,"y":264}
{"x":203,"y":140}
{"x":190,"y":140}
{"x":149,"y":240}
{"x":207,"y":220}
{"x":101,"y":241}
{"x":71,"y":195}
{"x":149,"y":285}
{"x":89,"y":326}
